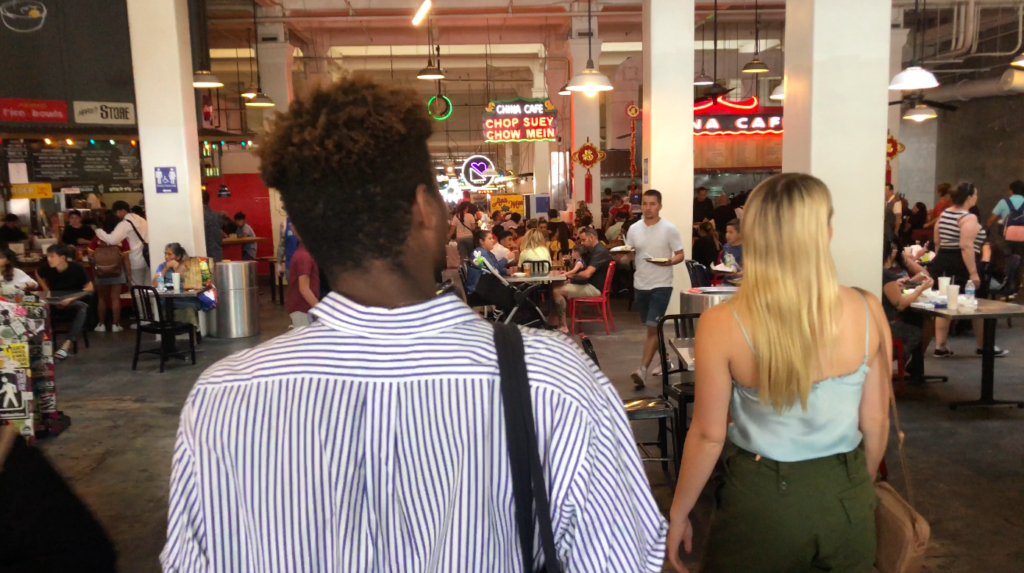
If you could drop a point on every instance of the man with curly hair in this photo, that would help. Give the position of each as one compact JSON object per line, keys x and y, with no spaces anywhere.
{"x":373,"y":439}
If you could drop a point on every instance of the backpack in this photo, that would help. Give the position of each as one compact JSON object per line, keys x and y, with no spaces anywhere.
{"x":106,"y":261}
{"x":1013,"y":225}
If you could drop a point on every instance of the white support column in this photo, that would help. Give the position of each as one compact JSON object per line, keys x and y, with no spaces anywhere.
{"x":668,"y":117}
{"x":837,"y":79}
{"x":542,"y":149}
{"x":586,"y":122}
{"x":898,"y":39}
{"x":275,"y":68}
{"x":168,"y":134}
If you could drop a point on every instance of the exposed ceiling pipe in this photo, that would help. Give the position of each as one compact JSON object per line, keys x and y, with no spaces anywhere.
{"x":975,"y":41}
{"x":1011,"y":82}
{"x":969,"y":29}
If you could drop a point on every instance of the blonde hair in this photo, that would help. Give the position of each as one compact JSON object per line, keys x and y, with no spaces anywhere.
{"x":533,"y":239}
{"x":789,"y":293}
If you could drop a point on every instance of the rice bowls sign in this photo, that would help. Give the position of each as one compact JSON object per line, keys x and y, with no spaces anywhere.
{"x":473,"y":171}
{"x":23,"y":15}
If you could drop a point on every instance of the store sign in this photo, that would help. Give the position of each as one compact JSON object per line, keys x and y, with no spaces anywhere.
{"x":105,"y":112}
{"x":509,"y":204}
{"x":42,"y":110}
{"x":737,"y":124}
{"x":32,"y":191}
{"x":473,"y":171}
{"x":521,"y":119}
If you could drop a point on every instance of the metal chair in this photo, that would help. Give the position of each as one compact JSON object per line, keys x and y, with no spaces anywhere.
{"x":680,"y":393}
{"x":538,"y":267}
{"x":151,"y":319}
{"x":699,"y":275}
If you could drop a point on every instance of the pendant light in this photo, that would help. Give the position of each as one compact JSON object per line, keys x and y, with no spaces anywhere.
{"x":716,"y":88}
{"x":590,"y":80}
{"x":920,"y":112}
{"x":260,"y":99}
{"x":756,"y":66}
{"x":1018,"y":62}
{"x":702,"y":79}
{"x":779,"y":93}
{"x":205,"y":79}
{"x":432,"y":72}
{"x":914,"y":77}
{"x":251,"y":91}
{"x":564,"y":91}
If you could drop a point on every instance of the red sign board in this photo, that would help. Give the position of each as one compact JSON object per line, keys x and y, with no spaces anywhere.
{"x":520,"y":119}
{"x":35,"y":110}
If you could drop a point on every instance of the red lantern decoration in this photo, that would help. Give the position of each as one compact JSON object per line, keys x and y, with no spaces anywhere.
{"x":633,"y":112}
{"x":588,"y":156}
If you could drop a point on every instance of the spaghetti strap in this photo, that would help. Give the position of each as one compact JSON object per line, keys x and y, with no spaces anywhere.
{"x":744,"y":330}
{"x":867,"y":325}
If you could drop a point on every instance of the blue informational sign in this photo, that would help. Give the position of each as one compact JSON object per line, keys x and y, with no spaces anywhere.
{"x":166,"y":179}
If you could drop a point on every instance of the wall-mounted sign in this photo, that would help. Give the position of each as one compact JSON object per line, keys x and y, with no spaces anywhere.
{"x":440,"y":108}
{"x":520,"y":119}
{"x":106,"y":112}
{"x":167,"y":180}
{"x":473,"y":171}
{"x":508,"y":204}
{"x":737,"y":124}
{"x":32,"y":191}
{"x":43,"y":110}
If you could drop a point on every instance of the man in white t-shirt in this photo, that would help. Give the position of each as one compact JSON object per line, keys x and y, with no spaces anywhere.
{"x":653,"y":238}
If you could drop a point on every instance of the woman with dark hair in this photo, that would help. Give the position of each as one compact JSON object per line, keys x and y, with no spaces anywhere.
{"x":707,"y":245}
{"x":175,"y":258}
{"x":914,"y":224}
{"x":108,"y":286}
{"x":959,"y":238}
{"x":11,"y":275}
{"x":462,"y":227}
{"x":485,"y":241}
{"x":561,"y":245}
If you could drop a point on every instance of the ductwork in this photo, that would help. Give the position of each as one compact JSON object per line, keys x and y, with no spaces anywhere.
{"x":1011,"y":82}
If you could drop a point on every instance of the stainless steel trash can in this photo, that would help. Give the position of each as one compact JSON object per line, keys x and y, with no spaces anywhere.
{"x":237,"y":314}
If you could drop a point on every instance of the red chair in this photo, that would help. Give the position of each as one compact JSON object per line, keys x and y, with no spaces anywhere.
{"x":901,"y":375}
{"x":603,"y":303}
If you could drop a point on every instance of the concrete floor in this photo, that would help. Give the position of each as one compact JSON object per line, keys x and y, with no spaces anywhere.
{"x":968,"y":465}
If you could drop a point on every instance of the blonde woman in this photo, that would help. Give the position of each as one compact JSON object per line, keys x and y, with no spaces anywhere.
{"x":534,"y":247}
{"x":801,"y":366}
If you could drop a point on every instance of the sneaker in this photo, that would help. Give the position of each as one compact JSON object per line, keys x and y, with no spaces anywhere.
{"x":639,"y":375}
{"x":101,"y":328}
{"x":116,"y":328}
{"x":1000,"y":352}
{"x":943,"y":353}
{"x":656,"y":371}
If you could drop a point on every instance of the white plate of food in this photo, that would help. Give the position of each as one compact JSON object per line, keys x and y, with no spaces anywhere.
{"x":621,"y":249}
{"x":656,"y":260}
{"x":519,"y":275}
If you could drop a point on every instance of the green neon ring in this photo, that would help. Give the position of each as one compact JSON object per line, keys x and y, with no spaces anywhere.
{"x":445,"y":116}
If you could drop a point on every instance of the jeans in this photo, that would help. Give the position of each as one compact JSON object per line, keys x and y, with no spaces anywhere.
{"x":80,"y":310}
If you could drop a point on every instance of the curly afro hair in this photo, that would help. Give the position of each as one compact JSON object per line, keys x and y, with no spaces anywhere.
{"x":347,"y":160}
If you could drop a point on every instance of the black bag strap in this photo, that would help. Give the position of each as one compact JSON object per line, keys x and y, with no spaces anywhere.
{"x":524,"y":457}
{"x":1014,"y":210}
{"x":145,"y":245}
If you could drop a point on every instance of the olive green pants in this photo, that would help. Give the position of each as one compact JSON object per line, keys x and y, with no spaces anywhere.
{"x":792,"y":517}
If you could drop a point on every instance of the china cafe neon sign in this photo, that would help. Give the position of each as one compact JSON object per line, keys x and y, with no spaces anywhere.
{"x":751,"y":124}
{"x":521,"y":119}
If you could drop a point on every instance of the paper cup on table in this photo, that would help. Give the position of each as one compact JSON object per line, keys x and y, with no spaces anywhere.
{"x":176,"y":281}
{"x":943,"y":284}
{"x":953,"y":297}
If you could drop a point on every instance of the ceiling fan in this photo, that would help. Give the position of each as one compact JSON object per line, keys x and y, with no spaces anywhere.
{"x":914,"y":80}
{"x":715,"y":89}
{"x":918,"y":109}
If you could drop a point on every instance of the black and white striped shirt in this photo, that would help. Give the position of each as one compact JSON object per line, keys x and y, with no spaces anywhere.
{"x":949,"y":231}
{"x":374,"y":440}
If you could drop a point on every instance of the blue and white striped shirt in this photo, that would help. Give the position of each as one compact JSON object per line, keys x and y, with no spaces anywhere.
{"x":374,"y":440}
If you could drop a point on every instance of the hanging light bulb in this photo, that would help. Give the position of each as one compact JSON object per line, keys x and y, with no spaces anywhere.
{"x":779,"y":93}
{"x":431,"y":72}
{"x":702,"y":79}
{"x":914,"y":78}
{"x":250,"y":92}
{"x":564,"y":91}
{"x":260,"y":100}
{"x":756,"y":66}
{"x":590,"y":80}
{"x":920,"y":112}
{"x":205,"y":79}
{"x":1018,"y":62}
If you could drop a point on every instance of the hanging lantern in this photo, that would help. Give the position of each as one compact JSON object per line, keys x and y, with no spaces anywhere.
{"x":588,"y":156}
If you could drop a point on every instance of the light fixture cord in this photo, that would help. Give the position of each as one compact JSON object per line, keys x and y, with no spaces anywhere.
{"x":757,"y":33}
{"x":256,"y":48}
{"x":716,"y":41}
{"x":702,"y":37}
{"x":590,"y":36}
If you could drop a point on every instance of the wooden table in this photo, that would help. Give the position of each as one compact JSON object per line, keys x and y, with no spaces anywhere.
{"x":990,"y":311}
{"x":239,"y":242}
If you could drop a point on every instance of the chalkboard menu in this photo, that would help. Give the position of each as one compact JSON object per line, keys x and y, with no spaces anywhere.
{"x":102,"y":162}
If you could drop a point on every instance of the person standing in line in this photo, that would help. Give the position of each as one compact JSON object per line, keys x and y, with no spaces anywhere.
{"x":242,"y":229}
{"x":75,"y":233}
{"x":213,"y":230}
{"x":657,"y":246}
{"x":703,"y":208}
{"x":372,"y":469}
{"x":799,"y":383}
{"x":893,"y":210}
{"x":303,"y":286}
{"x":136,"y":230}
{"x":722,"y":214}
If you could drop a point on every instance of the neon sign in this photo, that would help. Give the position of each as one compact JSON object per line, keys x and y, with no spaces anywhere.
{"x":751,"y":124}
{"x":520,"y":120}
{"x":473,"y":171}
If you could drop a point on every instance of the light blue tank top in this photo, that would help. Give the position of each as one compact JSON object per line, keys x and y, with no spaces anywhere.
{"x":830,"y":425}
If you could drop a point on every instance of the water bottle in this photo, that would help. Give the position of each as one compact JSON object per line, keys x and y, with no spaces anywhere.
{"x":969,"y":292}
{"x":160,"y":282}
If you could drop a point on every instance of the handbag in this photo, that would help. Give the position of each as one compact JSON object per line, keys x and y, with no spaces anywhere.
{"x":902,"y":534}
{"x":145,"y":245}
{"x":528,"y":490}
